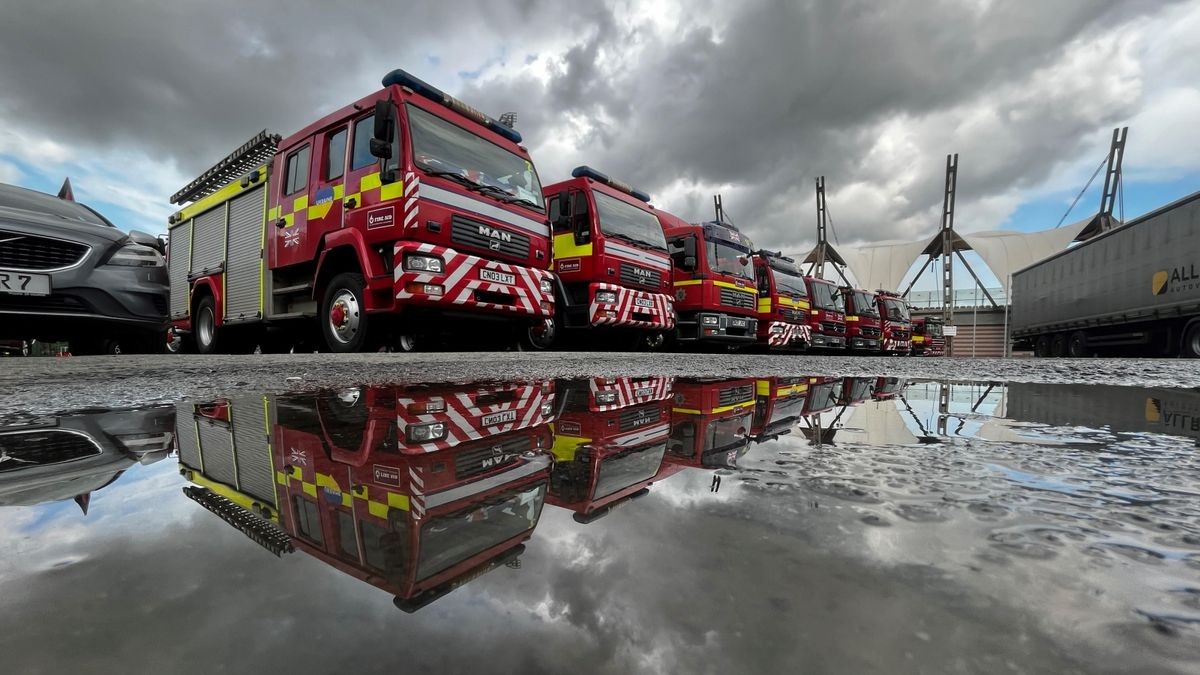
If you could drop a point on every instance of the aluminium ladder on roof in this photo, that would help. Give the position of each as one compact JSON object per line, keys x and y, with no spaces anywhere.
{"x":251,"y":155}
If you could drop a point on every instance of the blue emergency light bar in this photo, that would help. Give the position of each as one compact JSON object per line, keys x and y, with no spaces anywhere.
{"x":588,"y":172}
{"x":422,"y":88}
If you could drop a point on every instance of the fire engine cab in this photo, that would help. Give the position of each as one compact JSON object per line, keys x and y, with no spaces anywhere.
{"x":715,"y":294}
{"x":897,"y":328}
{"x":611,"y":260}
{"x":711,"y":422}
{"x":927,"y":337}
{"x":783,"y":304}
{"x":778,"y":403}
{"x":387,"y":219}
{"x":827,"y":316}
{"x":864,"y":329}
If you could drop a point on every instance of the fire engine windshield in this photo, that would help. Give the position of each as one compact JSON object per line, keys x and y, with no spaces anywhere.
{"x":789,"y":284}
{"x":729,"y":258}
{"x":896,"y":308}
{"x":727,"y":432}
{"x":445,"y":149}
{"x":933,"y":328}
{"x":625,"y":221}
{"x":450,"y":539}
{"x":628,"y":468}
{"x":825,"y":296}
{"x":864,"y":303}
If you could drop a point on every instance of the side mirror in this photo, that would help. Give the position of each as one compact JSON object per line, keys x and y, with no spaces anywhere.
{"x":689,"y":249}
{"x":385,"y":130}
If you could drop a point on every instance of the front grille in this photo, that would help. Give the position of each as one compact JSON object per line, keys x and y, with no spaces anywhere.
{"x":29,"y":252}
{"x":640,"y":276}
{"x":732,"y":395}
{"x":791,"y":315}
{"x":638,"y":417}
{"x":869,"y":332}
{"x":831,"y":327}
{"x":39,"y":448}
{"x":900,"y":335}
{"x":474,"y":235}
{"x":490,"y":456}
{"x":732,"y":298}
{"x":42,"y":303}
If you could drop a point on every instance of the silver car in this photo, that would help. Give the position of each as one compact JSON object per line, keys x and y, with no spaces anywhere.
{"x":67,"y":273}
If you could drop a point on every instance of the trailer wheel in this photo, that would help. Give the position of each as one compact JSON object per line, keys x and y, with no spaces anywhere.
{"x":204,"y":326}
{"x":345,"y":323}
{"x":1190,"y":346}
{"x":1077,"y":345}
{"x":1058,"y":346}
{"x":1041,"y":348}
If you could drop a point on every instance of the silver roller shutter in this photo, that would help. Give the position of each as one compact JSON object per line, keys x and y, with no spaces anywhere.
{"x":185,"y":433}
{"x":255,"y":470}
{"x":180,"y":251}
{"x":243,"y":268}
{"x":216,"y":444}
{"x":208,"y":240}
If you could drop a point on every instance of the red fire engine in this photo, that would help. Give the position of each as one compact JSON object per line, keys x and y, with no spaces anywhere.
{"x":927,"y":337}
{"x":864,"y":328}
{"x":710,"y":422}
{"x":610,"y":437}
{"x":783,"y":305}
{"x":897,"y":329}
{"x":778,"y":403}
{"x":887,"y":388}
{"x":406,"y":204}
{"x":413,"y":490}
{"x":715,"y":299}
{"x":611,"y":260}
{"x":827,"y":317}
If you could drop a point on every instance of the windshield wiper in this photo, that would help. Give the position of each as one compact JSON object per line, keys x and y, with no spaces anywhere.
{"x":452,"y":175}
{"x":631,"y":240}
{"x":501,"y":194}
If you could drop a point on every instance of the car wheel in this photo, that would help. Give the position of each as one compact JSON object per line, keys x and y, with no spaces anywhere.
{"x":204,"y":326}
{"x":345,"y":323}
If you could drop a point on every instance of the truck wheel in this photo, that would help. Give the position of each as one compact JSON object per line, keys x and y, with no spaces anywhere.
{"x":1077,"y":345}
{"x":344,"y":319}
{"x":539,"y":336}
{"x":1058,"y":346}
{"x":1190,"y":347}
{"x":1041,"y":348}
{"x":405,"y":343}
{"x":204,"y":326}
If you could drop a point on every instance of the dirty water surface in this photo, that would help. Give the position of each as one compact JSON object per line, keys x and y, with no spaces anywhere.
{"x":609,"y":524}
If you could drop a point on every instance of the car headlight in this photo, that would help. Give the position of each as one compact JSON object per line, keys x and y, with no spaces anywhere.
{"x":547,"y":286}
{"x":422,"y":263}
{"x":136,"y":255}
{"x":709,"y":320}
{"x":423,"y":433}
{"x":606,"y":297}
{"x":606,"y":397}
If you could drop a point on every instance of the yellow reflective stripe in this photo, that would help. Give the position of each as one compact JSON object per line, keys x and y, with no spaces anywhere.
{"x":686,"y":411}
{"x":369,"y":182}
{"x":397,"y":501}
{"x":762,"y":388}
{"x":726,"y":284}
{"x":243,"y":500}
{"x":764,"y":305}
{"x":319,"y":211}
{"x":689,"y":282}
{"x":273,"y":214}
{"x":796,"y":304}
{"x":852,"y":318}
{"x":793,"y":389}
{"x":565,"y":247}
{"x":338,"y":190}
{"x":390,"y":191}
{"x":310,"y":489}
{"x":918,"y":338}
{"x":377,"y":509}
{"x":300,"y":203}
{"x":727,"y":408}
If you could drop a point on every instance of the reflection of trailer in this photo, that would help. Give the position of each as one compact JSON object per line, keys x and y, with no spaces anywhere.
{"x":343,"y":477}
{"x":710,"y":422}
{"x":1121,"y":409}
{"x":609,"y":440}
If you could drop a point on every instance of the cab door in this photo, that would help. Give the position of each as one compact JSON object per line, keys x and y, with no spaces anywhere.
{"x":368,"y":203}
{"x":326,"y":183}
{"x":291,"y":242}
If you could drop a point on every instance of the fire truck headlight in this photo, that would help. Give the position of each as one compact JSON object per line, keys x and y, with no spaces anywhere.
{"x":777,"y":328}
{"x":422,"y":263}
{"x":547,"y":409}
{"x":547,"y":286}
{"x":423,"y":433}
{"x":709,"y":320}
{"x":606,"y":397}
{"x":433,"y":405}
{"x":606,"y":297}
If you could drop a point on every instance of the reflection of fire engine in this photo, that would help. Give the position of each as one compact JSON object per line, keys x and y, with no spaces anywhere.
{"x":609,"y":440}
{"x":886,"y":388}
{"x":855,"y":390}
{"x":415,"y":490}
{"x":779,"y":402}
{"x":710,"y":422}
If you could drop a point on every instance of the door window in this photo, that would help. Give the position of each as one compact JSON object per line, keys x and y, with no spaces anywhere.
{"x":297,"y":171}
{"x":335,"y":154}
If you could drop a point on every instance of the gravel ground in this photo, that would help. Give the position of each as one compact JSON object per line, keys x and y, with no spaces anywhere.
{"x":37,"y":386}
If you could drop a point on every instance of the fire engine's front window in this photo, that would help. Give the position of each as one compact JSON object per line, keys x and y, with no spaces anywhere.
{"x":726,"y":432}
{"x":824,"y":296}
{"x":728,"y":259}
{"x":451,"y":539}
{"x":897,"y":310}
{"x":446,"y":149}
{"x":621,"y":471}
{"x":864,"y":304}
{"x":933,"y":329}
{"x":789,"y":284}
{"x":625,"y":221}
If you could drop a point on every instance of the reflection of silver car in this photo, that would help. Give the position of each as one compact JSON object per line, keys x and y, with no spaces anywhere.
{"x":75,"y":455}
{"x":66,"y":273}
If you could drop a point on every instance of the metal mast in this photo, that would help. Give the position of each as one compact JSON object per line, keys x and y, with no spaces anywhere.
{"x":1112,"y":177}
{"x":818,"y":269}
{"x":948,"y":239}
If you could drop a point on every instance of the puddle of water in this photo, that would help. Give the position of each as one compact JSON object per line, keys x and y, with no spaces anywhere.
{"x":656,"y":523}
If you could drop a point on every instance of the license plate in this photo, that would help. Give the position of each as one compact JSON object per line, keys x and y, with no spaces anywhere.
{"x":643,"y":302}
{"x":644,"y":391}
{"x":499,"y":418}
{"x":497,"y":277}
{"x":24,"y":283}
{"x":737,"y":323}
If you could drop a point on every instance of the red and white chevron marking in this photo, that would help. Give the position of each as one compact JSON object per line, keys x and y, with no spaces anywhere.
{"x":659,"y":306}
{"x":412,"y":189}
{"x":892,"y":345}
{"x":629,"y":391}
{"x":461,"y":283}
{"x":654,"y":434}
{"x":466,"y":420}
{"x":416,"y":493}
{"x":789,"y":334}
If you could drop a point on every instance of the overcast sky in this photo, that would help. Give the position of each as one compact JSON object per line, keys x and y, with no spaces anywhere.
{"x":751,"y":99}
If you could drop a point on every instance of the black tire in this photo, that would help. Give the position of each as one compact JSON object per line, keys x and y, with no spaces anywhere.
{"x":1041,"y":348}
{"x":349,"y":329}
{"x":94,"y":346}
{"x":206,"y":337}
{"x":406,"y":343}
{"x":538,"y":337}
{"x":1189,"y":346}
{"x":1077,"y":347}
{"x":1058,"y":346}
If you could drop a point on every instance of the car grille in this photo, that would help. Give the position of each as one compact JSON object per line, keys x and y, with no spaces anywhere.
{"x":39,"y":448}
{"x":831,"y":327}
{"x":42,"y":303}
{"x":629,"y":275}
{"x":732,"y":298}
{"x":869,"y":332}
{"x":490,"y":456}
{"x":732,"y":395}
{"x":638,"y":417}
{"x":29,"y":252}
{"x":466,"y":233}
